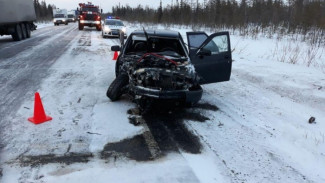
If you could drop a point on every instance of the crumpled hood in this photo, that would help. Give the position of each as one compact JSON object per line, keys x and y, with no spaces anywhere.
{"x":162,"y":73}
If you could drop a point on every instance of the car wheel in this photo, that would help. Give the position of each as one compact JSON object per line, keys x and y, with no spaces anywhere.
{"x":117,"y":87}
{"x":28,"y":32}
{"x":23,"y":30}
{"x":17,"y":35}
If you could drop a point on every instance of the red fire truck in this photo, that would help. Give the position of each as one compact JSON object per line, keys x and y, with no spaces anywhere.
{"x":89,"y":15}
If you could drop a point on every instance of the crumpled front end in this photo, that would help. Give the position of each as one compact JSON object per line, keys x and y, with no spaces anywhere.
{"x":162,"y":79}
{"x":158,"y":77}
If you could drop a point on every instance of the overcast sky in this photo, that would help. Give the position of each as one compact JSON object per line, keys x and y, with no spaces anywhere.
{"x":106,"y":5}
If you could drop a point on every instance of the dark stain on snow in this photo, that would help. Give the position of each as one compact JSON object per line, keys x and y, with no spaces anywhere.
{"x":170,"y":132}
{"x":206,"y":106}
{"x":68,"y":159}
{"x":166,"y":125}
{"x":134,"y":148}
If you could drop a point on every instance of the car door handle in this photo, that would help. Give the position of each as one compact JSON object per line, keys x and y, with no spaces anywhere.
{"x":227,"y":57}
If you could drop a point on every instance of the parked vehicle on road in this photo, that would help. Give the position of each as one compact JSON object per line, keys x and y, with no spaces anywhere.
{"x":60,"y":16}
{"x":89,"y":15}
{"x":156,"y":64}
{"x":72,"y":16}
{"x":112,"y":27}
{"x":17,"y":18}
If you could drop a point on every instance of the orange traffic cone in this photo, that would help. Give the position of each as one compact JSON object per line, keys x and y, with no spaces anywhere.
{"x":39,"y":113}
{"x":115,"y":55}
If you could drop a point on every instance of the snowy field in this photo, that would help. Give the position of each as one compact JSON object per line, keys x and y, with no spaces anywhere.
{"x":253,"y":128}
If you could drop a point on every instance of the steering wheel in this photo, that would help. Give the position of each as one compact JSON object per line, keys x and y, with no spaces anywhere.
{"x":168,"y":49}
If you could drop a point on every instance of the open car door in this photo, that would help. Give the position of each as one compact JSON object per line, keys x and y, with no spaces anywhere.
{"x":210,"y":55}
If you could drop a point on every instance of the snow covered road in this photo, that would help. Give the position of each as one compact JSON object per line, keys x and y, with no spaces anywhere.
{"x":253,"y":128}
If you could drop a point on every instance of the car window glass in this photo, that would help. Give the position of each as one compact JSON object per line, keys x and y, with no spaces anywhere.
{"x":217,"y":45}
{"x":196,"y":40}
{"x":93,"y":9}
{"x":114,"y":22}
{"x":139,"y":38}
{"x":59,"y":16}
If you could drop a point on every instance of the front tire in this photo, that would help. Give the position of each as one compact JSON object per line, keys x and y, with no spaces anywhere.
{"x":17,"y":35}
{"x":23,"y":30}
{"x":28,"y":32}
{"x":116,"y":89}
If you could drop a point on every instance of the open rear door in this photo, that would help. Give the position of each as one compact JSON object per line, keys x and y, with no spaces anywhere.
{"x":210,"y":55}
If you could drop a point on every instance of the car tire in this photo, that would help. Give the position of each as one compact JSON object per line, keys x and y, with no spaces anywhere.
{"x":115,"y":90}
{"x":23,"y":30}
{"x":28,"y":32}
{"x":17,"y":35}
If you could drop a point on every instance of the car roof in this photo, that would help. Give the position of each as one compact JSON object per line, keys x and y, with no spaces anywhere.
{"x":158,"y":33}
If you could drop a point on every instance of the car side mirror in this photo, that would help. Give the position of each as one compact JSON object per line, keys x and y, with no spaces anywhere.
{"x":204,"y":52}
{"x":115,"y":48}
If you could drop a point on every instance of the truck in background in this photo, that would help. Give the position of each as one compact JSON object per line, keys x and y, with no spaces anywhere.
{"x":72,"y":16}
{"x":17,"y":18}
{"x":60,"y":16}
{"x":89,"y":15}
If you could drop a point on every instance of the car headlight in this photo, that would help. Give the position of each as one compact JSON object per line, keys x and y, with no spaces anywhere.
{"x":107,"y":29}
{"x":124,"y":29}
{"x":63,"y":20}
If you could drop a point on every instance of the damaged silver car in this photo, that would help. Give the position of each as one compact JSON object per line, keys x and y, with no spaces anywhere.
{"x":156,"y":64}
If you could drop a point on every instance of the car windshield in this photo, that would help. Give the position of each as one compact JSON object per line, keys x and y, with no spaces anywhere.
{"x":160,"y":45}
{"x":59,"y":16}
{"x":114,"y":22}
{"x":93,"y":9}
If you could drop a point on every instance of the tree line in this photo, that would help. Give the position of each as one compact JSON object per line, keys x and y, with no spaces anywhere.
{"x":293,"y":15}
{"x":43,"y":11}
